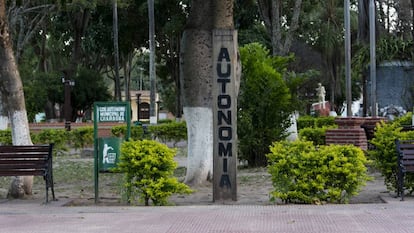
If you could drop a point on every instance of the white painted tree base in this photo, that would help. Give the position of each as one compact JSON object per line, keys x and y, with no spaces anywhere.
{"x":200,"y":145}
{"x":20,"y":136}
{"x":4,"y":122}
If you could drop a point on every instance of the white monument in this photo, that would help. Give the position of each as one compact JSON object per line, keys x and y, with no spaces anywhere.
{"x":320,"y":91}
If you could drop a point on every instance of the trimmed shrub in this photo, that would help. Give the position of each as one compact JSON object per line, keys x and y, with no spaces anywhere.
{"x":57,"y":136}
{"x":315,"y":122}
{"x":149,"y":167}
{"x":173,"y":131}
{"x":137,"y":132}
{"x":81,"y":137}
{"x":385,"y":154}
{"x":170,"y":131}
{"x":305,"y":174}
{"x":315,"y":135}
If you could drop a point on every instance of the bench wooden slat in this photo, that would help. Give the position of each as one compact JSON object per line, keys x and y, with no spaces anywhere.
{"x":22,"y":173}
{"x":407,"y":162}
{"x":23,"y":166}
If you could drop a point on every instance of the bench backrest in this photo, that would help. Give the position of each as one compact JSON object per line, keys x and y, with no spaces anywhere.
{"x":405,"y":150}
{"x":25,"y":160}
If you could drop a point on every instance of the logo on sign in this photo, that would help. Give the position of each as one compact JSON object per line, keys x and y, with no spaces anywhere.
{"x":108,"y":157}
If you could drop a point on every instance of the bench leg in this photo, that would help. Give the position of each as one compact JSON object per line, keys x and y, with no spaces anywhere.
{"x":47,"y":198}
{"x":52,"y":188}
{"x":49,"y":184}
{"x":402,"y":185}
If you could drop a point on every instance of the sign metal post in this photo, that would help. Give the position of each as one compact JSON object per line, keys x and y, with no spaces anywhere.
{"x":118,"y":112}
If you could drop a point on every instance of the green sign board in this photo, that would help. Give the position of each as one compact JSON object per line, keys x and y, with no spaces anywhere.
{"x":107,"y":150}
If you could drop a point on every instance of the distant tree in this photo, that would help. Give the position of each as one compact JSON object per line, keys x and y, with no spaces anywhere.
{"x":281,"y":19}
{"x":248,"y":23}
{"x":26,"y":19}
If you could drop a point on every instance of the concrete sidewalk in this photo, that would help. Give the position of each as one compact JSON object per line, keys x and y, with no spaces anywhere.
{"x":394,"y":216}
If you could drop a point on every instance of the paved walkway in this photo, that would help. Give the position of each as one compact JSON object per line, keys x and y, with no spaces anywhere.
{"x":393,"y":216}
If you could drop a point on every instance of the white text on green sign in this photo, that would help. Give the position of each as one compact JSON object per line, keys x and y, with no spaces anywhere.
{"x":111,"y":113}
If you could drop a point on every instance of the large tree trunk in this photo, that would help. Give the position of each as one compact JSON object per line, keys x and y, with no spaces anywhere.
{"x":196,"y":83}
{"x":195,"y":75}
{"x":196,"y":66}
{"x":12,"y":89}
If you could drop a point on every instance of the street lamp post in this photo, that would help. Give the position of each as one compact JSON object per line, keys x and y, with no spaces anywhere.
{"x":67,"y":103}
{"x":138,"y":103}
{"x":153,"y":117}
{"x":373,"y":65}
{"x":348,"y":59}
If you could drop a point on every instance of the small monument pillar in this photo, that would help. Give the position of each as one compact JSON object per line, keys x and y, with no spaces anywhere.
{"x":349,"y":132}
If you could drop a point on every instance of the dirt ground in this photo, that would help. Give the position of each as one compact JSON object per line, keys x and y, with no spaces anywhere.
{"x":74,"y":186}
{"x":254,"y":187}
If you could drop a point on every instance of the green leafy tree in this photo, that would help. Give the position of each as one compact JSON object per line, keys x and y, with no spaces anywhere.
{"x":89,"y":87}
{"x":264,"y":103}
{"x":249,"y":26}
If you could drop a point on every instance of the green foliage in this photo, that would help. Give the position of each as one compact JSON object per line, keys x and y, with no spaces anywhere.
{"x":173,"y":131}
{"x":81,"y":137}
{"x":303,"y":173}
{"x":137,"y":132}
{"x":315,"y":135}
{"x":170,"y":131}
{"x":59,"y":137}
{"x":37,"y":94}
{"x":300,"y":85}
{"x":387,"y":49}
{"x":5,"y":137}
{"x":264,"y":103}
{"x":89,"y":88}
{"x":385,"y":155}
{"x":314,"y":122}
{"x":314,"y":128}
{"x":165,"y":121}
{"x":149,"y":167}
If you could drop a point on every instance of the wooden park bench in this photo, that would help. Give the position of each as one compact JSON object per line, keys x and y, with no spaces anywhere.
{"x":405,"y":163}
{"x":34,"y":160}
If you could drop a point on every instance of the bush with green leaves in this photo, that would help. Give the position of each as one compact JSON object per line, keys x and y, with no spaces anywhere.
{"x":385,"y":154}
{"x":314,"y":134}
{"x":81,"y":137}
{"x":171,"y":131}
{"x":59,"y":137}
{"x":149,"y":167}
{"x":78,"y":138}
{"x":137,"y":132}
{"x":303,"y":173}
{"x":315,"y":122}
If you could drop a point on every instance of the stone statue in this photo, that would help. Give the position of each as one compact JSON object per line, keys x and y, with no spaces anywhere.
{"x":320,"y":91}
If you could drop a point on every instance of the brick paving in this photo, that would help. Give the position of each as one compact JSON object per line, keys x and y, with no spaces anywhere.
{"x":393,"y":216}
